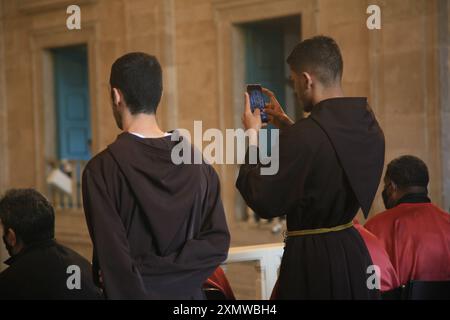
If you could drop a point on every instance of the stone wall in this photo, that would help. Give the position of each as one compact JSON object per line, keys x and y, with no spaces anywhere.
{"x":406,"y":84}
{"x":398,"y":67}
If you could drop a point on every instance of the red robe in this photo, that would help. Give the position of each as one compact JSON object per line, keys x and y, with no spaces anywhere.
{"x":218,"y":280}
{"x":417,"y":238}
{"x":389,"y":278}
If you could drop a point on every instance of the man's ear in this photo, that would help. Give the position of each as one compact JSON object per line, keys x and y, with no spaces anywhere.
{"x":307,"y":79}
{"x":11,"y":237}
{"x":116,"y":96}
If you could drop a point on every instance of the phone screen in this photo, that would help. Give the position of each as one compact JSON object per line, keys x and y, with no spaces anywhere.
{"x":257,"y":100}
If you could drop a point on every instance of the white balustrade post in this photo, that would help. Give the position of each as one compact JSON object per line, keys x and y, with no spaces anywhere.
{"x":268,"y":258}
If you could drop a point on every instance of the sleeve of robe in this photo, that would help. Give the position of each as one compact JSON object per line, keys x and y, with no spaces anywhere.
{"x":272,"y":195}
{"x":213,"y":241}
{"x":121,"y":278}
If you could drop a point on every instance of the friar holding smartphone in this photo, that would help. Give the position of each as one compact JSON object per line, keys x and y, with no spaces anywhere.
{"x":330,"y":165}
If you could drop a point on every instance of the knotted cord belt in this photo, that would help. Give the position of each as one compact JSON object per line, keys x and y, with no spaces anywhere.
{"x":299,"y":233}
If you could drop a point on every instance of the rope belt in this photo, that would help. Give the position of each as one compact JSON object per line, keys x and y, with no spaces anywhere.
{"x":299,"y":233}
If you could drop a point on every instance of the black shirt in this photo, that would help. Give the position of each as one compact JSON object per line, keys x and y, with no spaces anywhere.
{"x":40,"y":272}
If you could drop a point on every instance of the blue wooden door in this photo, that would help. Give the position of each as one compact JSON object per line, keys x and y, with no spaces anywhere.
{"x":72,"y":102}
{"x":265,"y":58}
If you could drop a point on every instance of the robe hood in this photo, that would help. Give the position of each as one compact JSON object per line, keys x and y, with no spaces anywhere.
{"x":160,"y":187}
{"x":358,"y":141}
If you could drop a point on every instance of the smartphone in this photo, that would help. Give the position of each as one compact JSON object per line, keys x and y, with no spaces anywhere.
{"x":257,"y":100}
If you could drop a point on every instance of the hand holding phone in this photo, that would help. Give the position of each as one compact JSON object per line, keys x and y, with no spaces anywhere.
{"x":257,"y":100}
{"x":275,"y":112}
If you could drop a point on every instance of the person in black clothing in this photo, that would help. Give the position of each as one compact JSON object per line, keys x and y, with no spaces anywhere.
{"x":39,"y":267}
{"x":330,"y":165}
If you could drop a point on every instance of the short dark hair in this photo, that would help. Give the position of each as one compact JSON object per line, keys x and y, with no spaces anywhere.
{"x":319,"y":56}
{"x":29,"y":214}
{"x":408,"y":171}
{"x":139,"y":77}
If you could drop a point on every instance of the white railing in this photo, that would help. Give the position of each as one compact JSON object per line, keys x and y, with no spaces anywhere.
{"x":64,"y":182}
{"x":268,"y":257}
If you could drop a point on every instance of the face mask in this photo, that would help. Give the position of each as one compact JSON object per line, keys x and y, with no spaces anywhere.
{"x":386,"y":201}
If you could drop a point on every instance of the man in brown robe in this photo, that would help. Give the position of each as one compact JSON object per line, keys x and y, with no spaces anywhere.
{"x":330,"y":165}
{"x":158,"y":229}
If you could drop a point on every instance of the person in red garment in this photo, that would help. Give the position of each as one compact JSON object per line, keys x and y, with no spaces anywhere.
{"x":389,"y":279}
{"x":218,"y":280}
{"x":414,"y":232}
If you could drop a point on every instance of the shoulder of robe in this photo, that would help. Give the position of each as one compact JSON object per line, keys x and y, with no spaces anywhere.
{"x":209,"y":171}
{"x":102,"y":162}
{"x":304,"y":132}
{"x":383,"y":219}
{"x":304,"y":126}
{"x":70,"y":254}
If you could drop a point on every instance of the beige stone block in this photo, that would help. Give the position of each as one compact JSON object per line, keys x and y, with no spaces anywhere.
{"x":144,"y":7}
{"x":337,"y":11}
{"x":356,"y":89}
{"x":142,"y":24}
{"x":403,"y":36}
{"x":405,"y":132}
{"x":394,"y":10}
{"x":188,"y":10}
{"x":145,"y":43}
{"x":403,"y":85}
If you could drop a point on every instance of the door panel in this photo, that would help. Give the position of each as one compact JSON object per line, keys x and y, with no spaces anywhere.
{"x":265,"y":58}
{"x":265,"y":63}
{"x":72,"y":103}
